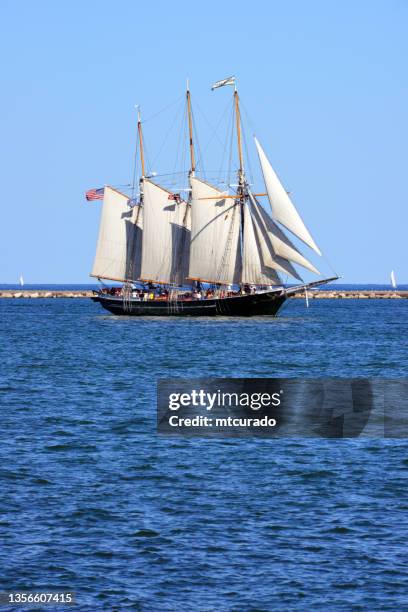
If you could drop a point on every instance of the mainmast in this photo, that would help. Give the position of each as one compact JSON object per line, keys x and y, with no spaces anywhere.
{"x":239,"y":140}
{"x":242,"y":192}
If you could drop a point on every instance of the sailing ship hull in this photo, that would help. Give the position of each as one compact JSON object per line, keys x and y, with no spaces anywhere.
{"x":266,"y":303}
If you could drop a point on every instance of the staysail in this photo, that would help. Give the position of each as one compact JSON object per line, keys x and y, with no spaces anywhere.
{"x":269,"y":257}
{"x":118,"y":252}
{"x":283,"y":209}
{"x":166,"y":236}
{"x":215,"y":255}
{"x":253,"y":270}
{"x":281,"y":244}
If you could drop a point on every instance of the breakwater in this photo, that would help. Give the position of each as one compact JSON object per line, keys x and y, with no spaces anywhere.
{"x":42,"y":293}
{"x":312,"y":294}
{"x":351,"y":294}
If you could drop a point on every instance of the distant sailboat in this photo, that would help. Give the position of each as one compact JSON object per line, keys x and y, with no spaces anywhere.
{"x":21,"y":281}
{"x":393,"y":281}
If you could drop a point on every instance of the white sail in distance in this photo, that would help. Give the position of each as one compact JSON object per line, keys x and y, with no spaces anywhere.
{"x":393,"y":281}
{"x":21,"y":280}
{"x":166,"y":236}
{"x":118,"y":252}
{"x":283,"y":209}
{"x":215,"y":225}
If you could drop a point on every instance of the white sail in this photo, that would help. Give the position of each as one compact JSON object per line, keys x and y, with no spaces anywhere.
{"x":166,"y":236}
{"x":268,"y":256}
{"x":253,"y":270}
{"x":393,"y":281}
{"x":215,"y":224}
{"x":283,"y":209}
{"x":21,"y":281}
{"x":280,"y":242}
{"x":118,"y":251}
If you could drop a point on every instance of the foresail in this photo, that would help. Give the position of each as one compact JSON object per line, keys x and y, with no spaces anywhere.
{"x":215,"y":225}
{"x":118,"y":252}
{"x":281,"y":244}
{"x":283,"y":209}
{"x":166,"y":236}
{"x":254,"y":272}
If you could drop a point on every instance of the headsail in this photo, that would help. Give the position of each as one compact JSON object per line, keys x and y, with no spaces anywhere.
{"x":281,"y":244}
{"x":268,"y":256}
{"x":253,"y":270}
{"x":166,"y":236}
{"x":118,"y":252}
{"x":215,"y":223}
{"x":283,"y":209}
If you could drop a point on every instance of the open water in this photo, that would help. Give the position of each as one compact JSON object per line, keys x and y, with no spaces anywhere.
{"x":93,"y":500}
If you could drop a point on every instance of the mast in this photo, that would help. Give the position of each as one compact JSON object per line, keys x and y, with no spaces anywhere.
{"x":238,"y":123}
{"x":190,"y":129}
{"x":139,"y":130}
{"x":241,"y":179}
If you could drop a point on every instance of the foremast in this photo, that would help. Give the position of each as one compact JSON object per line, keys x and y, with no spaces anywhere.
{"x":190,"y":131}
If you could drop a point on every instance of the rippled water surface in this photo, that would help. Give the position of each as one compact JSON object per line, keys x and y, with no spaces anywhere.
{"x":94,"y":501}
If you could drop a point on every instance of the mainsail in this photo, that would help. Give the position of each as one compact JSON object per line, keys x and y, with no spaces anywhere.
{"x":118,"y":252}
{"x":215,"y":255}
{"x":166,"y":236}
{"x":283,"y":209}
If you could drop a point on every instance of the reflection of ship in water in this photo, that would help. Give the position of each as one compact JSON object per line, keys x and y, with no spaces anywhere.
{"x":210,"y":253}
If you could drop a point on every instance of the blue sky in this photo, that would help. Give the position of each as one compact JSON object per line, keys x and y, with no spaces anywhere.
{"x":324,"y":84}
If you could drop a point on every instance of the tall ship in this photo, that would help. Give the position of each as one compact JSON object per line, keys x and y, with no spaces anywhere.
{"x":216,"y":251}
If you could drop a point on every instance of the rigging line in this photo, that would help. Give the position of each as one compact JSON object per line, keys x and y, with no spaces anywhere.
{"x":163,"y":109}
{"x":181,"y":133}
{"x":325,"y":259}
{"x":147,"y":158}
{"x":184,"y":151}
{"x":248,"y":159}
{"x":213,"y":129}
{"x":200,"y":153}
{"x":199,"y":158}
{"x":171,"y":173}
{"x":135,"y":167}
{"x":173,"y":123}
{"x":225,"y":146}
{"x":248,"y":117}
{"x":230,"y":161}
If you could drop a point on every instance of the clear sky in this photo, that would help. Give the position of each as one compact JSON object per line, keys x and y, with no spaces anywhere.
{"x":324,"y":83}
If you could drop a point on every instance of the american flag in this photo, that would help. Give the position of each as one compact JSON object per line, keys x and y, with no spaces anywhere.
{"x":95,"y":194}
{"x":174,"y":196}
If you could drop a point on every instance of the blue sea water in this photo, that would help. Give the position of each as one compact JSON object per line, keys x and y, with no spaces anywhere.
{"x":93,"y":500}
